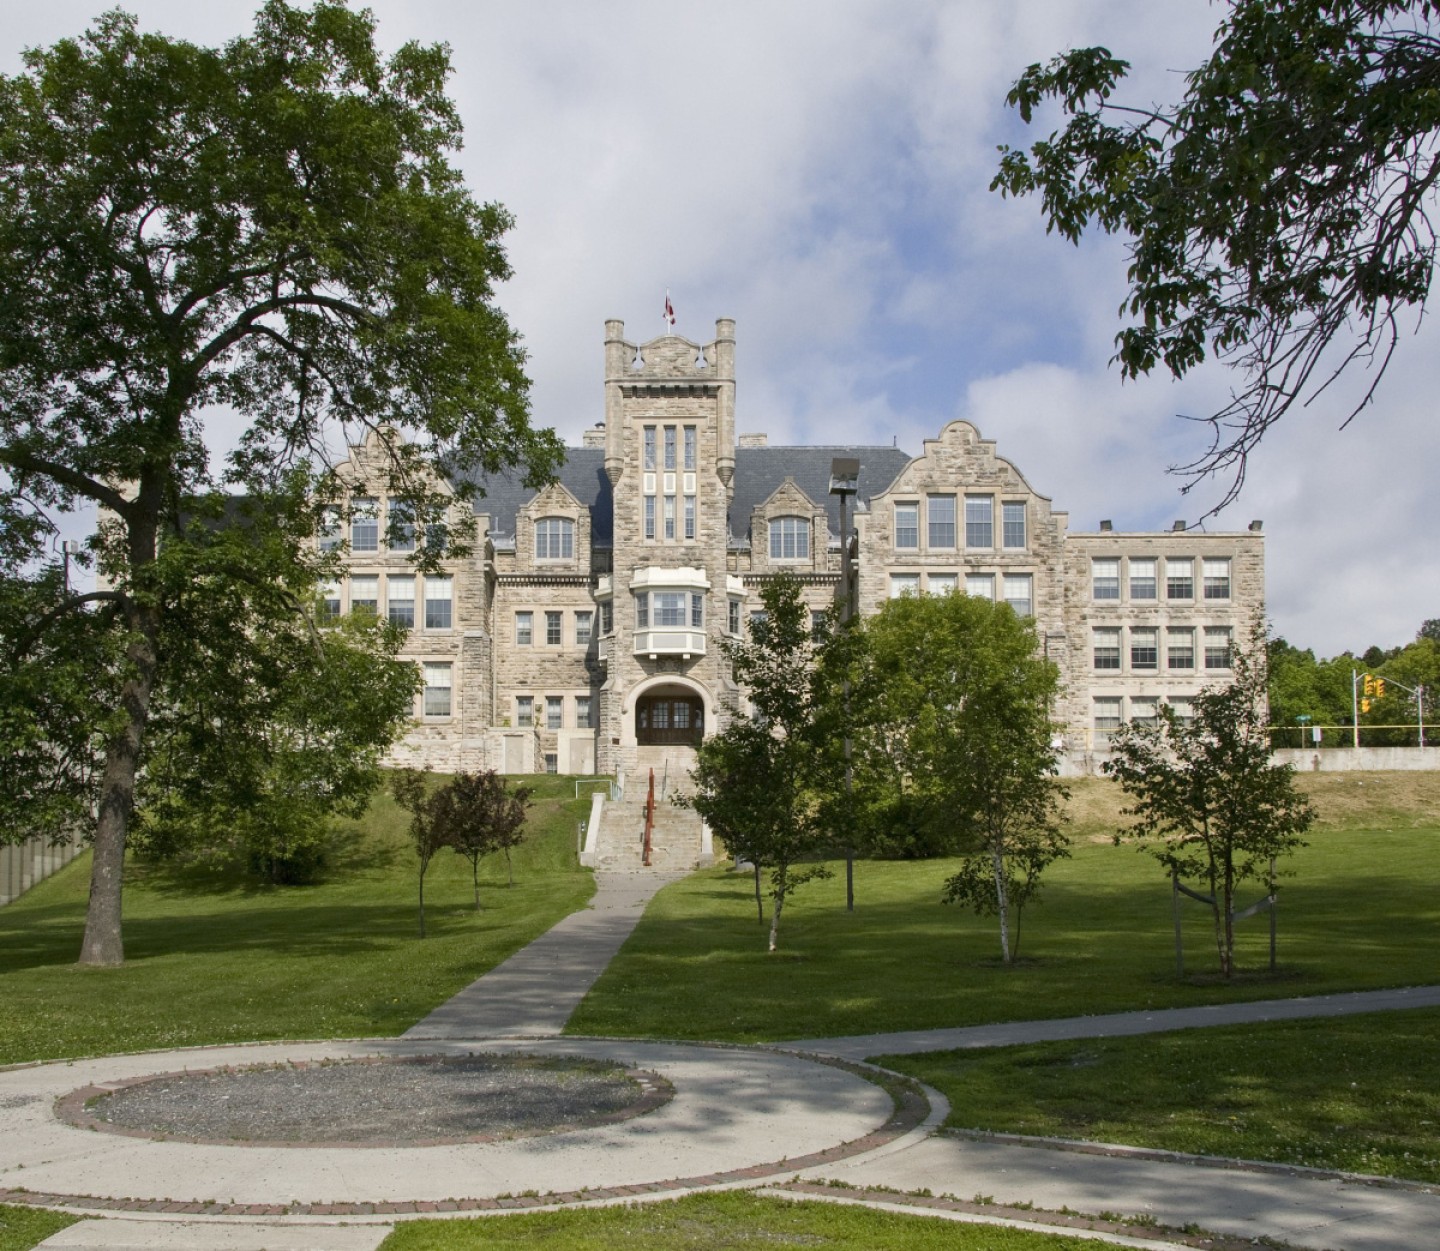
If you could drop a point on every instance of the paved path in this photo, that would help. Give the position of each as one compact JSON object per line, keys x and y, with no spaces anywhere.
{"x":741,"y":1116}
{"x":533,"y":993}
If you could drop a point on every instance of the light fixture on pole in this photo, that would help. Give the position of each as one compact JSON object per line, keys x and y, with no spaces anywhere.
{"x":844,"y":483}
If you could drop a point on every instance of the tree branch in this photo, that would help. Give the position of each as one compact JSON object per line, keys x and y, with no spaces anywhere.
{"x":28,"y":462}
{"x":28,"y":639}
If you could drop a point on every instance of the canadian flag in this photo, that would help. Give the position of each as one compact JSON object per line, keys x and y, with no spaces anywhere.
{"x":669,"y":310}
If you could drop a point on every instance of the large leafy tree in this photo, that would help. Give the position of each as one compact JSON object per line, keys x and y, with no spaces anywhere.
{"x":1208,"y":803}
{"x":765,"y":782}
{"x":1279,"y":216}
{"x":274,"y":226}
{"x":954,"y":739}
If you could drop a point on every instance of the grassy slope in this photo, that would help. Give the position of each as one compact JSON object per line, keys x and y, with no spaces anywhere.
{"x":1361,"y":909}
{"x":716,"y":1222}
{"x":23,"y":1228}
{"x":212,"y":958}
{"x":1353,"y":1093}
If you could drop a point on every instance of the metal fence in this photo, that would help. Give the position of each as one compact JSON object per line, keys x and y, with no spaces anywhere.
{"x":24,"y":864}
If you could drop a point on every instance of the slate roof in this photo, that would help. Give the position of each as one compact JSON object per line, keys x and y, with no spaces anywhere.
{"x":758,"y":472}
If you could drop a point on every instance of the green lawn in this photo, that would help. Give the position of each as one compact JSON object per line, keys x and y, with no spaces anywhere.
{"x":1354,"y":1093}
{"x":717,"y":1222}
{"x":23,"y":1228}
{"x":1361,"y":910}
{"x":215,"y":957}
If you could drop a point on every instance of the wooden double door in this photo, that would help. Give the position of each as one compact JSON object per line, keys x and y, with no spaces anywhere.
{"x":664,"y":720}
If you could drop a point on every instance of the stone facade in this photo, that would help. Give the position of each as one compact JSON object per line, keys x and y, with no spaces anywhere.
{"x":586,"y":627}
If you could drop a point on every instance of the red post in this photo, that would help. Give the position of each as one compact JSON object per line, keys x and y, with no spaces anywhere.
{"x":649,"y":819}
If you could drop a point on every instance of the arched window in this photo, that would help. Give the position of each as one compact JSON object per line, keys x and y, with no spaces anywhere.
{"x":554,"y":538}
{"x":790,"y":538}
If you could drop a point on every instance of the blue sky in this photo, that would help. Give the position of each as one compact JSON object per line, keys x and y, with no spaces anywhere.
{"x":819,"y":171}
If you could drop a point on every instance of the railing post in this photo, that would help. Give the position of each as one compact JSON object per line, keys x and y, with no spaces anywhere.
{"x":649,"y":819}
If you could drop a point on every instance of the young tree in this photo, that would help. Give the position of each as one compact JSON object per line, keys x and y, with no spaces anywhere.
{"x":476,"y":814}
{"x":274,"y":226}
{"x":1279,"y":216}
{"x":411,"y":788}
{"x":955,"y":730}
{"x":1208,"y":802}
{"x":761,"y":781}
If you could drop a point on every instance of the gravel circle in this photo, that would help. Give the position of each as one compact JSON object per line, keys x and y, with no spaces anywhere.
{"x":371,"y":1102}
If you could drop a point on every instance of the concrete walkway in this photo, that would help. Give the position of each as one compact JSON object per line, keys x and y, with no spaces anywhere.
{"x":740,"y":1116}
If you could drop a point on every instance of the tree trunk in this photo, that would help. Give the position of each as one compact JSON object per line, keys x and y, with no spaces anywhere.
{"x":423,"y":867}
{"x":475,"y":881}
{"x":104,"y":944}
{"x":509,"y":868}
{"x":775,"y":919}
{"x":759,"y":902}
{"x":1002,"y":901}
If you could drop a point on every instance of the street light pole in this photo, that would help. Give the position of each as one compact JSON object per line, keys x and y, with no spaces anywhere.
{"x":845,"y":482}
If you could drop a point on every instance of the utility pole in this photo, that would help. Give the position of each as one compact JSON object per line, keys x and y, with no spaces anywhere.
{"x":845,"y":482}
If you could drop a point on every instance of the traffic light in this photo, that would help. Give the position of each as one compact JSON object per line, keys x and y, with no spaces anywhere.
{"x":1379,"y":688}
{"x":1368,"y":685}
{"x":1365,"y":703}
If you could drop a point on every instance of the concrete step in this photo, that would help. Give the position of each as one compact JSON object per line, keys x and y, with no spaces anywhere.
{"x":151,"y":1235}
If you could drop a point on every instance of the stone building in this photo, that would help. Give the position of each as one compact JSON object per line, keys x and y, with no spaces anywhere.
{"x":583,"y":635}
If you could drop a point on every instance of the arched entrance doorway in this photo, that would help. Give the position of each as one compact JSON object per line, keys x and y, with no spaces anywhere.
{"x":669,"y":716}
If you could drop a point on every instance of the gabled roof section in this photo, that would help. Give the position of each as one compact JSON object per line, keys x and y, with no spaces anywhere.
{"x":582,"y":474}
{"x":759,"y":471}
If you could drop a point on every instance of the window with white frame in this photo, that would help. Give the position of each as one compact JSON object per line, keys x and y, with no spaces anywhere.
{"x":1180,"y":578}
{"x":524,"y":629}
{"x":1106,"y":640}
{"x":365,"y":593}
{"x":697,"y":611}
{"x":1012,"y":521}
{"x":1106,"y":714}
{"x":940,"y":517}
{"x":329,"y":599}
{"x":400,"y":601}
{"x":401,"y":527}
{"x":789,"y":538}
{"x":1142,"y":577}
{"x":437,"y":603}
{"x":642,"y":611}
{"x":330,"y":528}
{"x":552,"y":762}
{"x":664,"y":610}
{"x":1181,"y":706}
{"x":1144,"y":648}
{"x":554,"y":538}
{"x":437,"y":689}
{"x":669,"y":516}
{"x":689,"y":516}
{"x":1105,"y":578}
{"x":649,"y":516}
{"x":669,"y":447}
{"x":1217,"y":647}
{"x":1180,"y":647}
{"x":941,"y":583}
{"x":689,"y":447}
{"x":554,"y":712}
{"x":979,"y":521}
{"x":525,"y":711}
{"x":583,"y":622}
{"x":904,"y":584}
{"x":907,"y":526}
{"x":364,"y":525}
{"x":584,"y":712}
{"x":607,"y":619}
{"x":733,"y":620}
{"x":649,"y":438}
{"x":1144,"y":710}
{"x":554,"y":631}
{"x":1217,"y":578}
{"x":981,"y":585}
{"x":1019,"y":593}
{"x":819,"y":626}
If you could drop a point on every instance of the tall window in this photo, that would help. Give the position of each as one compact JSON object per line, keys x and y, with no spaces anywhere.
{"x":689,"y":516}
{"x":607,"y":619}
{"x":1142,"y":578}
{"x":364,"y":525}
{"x":642,"y":611}
{"x":789,"y":538}
{"x":330,"y":599}
{"x":553,"y":629}
{"x":1105,"y":579}
{"x":907,"y":525}
{"x":940,"y":513}
{"x":669,"y":516}
{"x":554,"y":712}
{"x":1012,"y":514}
{"x":669,"y":447}
{"x":1217,"y":647}
{"x":689,"y":447}
{"x":401,"y":536}
{"x":437,"y":603}
{"x":584,"y":716}
{"x":400,"y":598}
{"x":437,"y":690}
{"x":583,"y":622}
{"x":1180,"y":648}
{"x":365,"y":593}
{"x":980,"y":585}
{"x":1107,"y":648}
{"x":1107,"y":718}
{"x":1217,"y":579}
{"x":649,"y":516}
{"x":1018,"y":593}
{"x":733,"y":620}
{"x":1180,"y":579}
{"x":524,"y":628}
{"x":525,"y":711}
{"x":1145,"y":648}
{"x":554,"y":538}
{"x":650,"y":447}
{"x":329,"y":527}
{"x":979,"y":521}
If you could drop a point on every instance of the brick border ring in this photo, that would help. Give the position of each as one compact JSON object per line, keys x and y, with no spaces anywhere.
{"x":724,"y":1097}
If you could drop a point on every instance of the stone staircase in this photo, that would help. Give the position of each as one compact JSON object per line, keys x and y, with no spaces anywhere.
{"x":677,"y":838}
